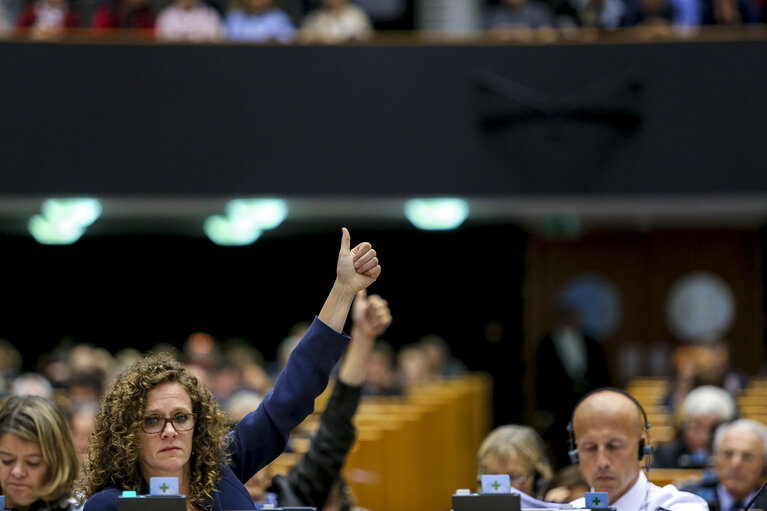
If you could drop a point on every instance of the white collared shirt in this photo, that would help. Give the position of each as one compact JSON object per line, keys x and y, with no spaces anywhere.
{"x":645,"y":496}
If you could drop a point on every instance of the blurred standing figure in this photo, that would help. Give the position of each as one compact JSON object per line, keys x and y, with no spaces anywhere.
{"x":38,"y":465}
{"x":569,"y":363}
{"x":337,"y":21}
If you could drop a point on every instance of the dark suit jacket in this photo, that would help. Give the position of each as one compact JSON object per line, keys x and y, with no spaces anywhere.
{"x":558,"y":393}
{"x":707,"y":490}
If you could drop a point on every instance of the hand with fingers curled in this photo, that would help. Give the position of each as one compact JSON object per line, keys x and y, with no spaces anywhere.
{"x":370,"y":315}
{"x":357,"y":267}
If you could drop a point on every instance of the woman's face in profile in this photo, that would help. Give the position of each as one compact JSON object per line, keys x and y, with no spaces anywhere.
{"x":166,"y":453}
{"x":22,"y":470}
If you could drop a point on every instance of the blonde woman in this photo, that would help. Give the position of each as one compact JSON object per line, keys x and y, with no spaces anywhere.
{"x":519,"y":452}
{"x":38,"y":464}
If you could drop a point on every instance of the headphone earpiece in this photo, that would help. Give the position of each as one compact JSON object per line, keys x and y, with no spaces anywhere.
{"x":573,"y":453}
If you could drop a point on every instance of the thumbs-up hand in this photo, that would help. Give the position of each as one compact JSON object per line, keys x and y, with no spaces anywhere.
{"x":358,"y":267}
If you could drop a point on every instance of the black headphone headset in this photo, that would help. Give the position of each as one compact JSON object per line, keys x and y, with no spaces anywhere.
{"x":645,"y":449}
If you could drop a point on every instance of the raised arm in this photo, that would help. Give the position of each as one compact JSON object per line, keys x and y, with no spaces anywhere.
{"x":261,"y":435}
{"x":312,"y":479}
{"x":356,"y":269}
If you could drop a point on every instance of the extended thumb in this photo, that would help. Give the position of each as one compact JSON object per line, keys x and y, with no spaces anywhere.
{"x":346,"y":240}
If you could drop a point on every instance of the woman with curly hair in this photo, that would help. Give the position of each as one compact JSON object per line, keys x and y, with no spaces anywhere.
{"x":38,"y":464}
{"x":159,"y":421}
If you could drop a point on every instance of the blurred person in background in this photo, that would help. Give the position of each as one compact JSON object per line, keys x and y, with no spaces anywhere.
{"x":46,"y":19}
{"x":38,"y":464}
{"x":189,"y":20}
{"x":730,"y":12}
{"x":649,"y":13}
{"x":285,"y":348}
{"x":517,"y":20}
{"x":569,"y":363}
{"x":125,"y":14}
{"x":519,"y":452}
{"x":442,"y":363}
{"x":336,"y":21}
{"x":380,"y":373}
{"x":32,"y":384}
{"x":702,"y":411}
{"x":567,"y":485}
{"x":413,"y":366}
{"x":83,"y":422}
{"x":740,"y":450}
{"x":258,"y":21}
{"x":10,"y":365}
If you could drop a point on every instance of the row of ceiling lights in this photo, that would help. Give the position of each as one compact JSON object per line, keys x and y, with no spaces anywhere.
{"x":63,"y":221}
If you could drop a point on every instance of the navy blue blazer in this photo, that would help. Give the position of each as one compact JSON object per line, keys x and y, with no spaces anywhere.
{"x":263,"y":434}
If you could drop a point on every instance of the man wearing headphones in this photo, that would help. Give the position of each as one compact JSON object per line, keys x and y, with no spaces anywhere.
{"x":610,"y":438}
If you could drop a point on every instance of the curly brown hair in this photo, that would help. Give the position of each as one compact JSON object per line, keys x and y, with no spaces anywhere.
{"x":113,"y":454}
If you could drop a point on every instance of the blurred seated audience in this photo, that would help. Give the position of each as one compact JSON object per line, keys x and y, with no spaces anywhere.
{"x":519,"y":452}
{"x":39,"y":465}
{"x":86,"y":387}
{"x":515,"y":19}
{"x":285,"y":348}
{"x":413,"y":366}
{"x":704,"y":408}
{"x":390,"y":14}
{"x":258,"y":21}
{"x":10,"y":366}
{"x":601,"y":14}
{"x":6,"y":27}
{"x":134,"y":14}
{"x":46,"y":19}
{"x":336,"y":21}
{"x":83,"y":422}
{"x":32,"y":384}
{"x":695,"y":365}
{"x":567,"y":485}
{"x":648,"y":13}
{"x":730,"y":12}
{"x":380,"y":374}
{"x":442,"y":364}
{"x":189,"y":20}
{"x":740,"y":450}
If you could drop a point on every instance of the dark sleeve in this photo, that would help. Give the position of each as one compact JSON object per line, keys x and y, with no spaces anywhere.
{"x":262,"y":434}
{"x":312,"y":479}
{"x":105,"y":500}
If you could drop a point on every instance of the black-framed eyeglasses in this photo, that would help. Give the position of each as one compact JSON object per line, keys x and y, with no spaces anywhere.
{"x":154,"y":424}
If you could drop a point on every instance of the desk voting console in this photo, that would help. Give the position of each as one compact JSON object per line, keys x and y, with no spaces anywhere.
{"x":504,"y":502}
{"x":152,"y":503}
